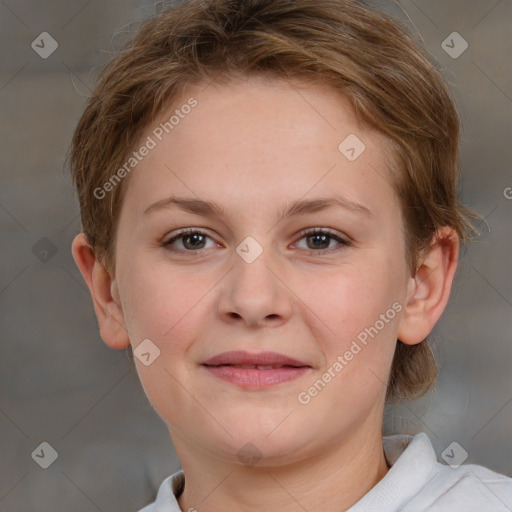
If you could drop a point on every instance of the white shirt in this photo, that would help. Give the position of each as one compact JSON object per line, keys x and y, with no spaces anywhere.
{"x":416,"y":482}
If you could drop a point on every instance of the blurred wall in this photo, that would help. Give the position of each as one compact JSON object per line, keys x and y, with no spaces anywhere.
{"x":61,"y":385}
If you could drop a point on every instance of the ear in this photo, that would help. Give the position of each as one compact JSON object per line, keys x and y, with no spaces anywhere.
{"x":429,"y":289}
{"x":105,"y":295}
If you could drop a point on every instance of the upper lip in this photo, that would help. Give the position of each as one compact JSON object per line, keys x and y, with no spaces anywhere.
{"x":239,"y":357}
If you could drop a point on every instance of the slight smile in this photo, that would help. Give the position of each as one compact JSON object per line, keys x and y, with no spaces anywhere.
{"x":255,"y":371}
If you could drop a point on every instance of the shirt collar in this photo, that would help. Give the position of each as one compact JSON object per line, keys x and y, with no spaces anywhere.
{"x":412,"y":460}
{"x":413,"y":465}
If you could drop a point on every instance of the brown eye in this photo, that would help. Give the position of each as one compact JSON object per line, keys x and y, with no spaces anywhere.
{"x":320,"y":241}
{"x":190,"y":240}
{"x":195,"y":241}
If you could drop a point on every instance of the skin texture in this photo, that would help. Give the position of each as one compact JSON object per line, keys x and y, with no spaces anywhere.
{"x":254,"y":146}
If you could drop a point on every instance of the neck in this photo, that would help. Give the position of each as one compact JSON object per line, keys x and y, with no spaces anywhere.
{"x":331,"y":481}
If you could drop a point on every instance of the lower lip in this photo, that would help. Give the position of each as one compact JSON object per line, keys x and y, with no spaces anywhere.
{"x":254,"y":379}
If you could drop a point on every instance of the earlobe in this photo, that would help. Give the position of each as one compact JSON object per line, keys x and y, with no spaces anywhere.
{"x":429,"y":288}
{"x":105,"y":296}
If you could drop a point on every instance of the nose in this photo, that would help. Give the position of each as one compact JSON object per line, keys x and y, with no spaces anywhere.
{"x":255,"y":293}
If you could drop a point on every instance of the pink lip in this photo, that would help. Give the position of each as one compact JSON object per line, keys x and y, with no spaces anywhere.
{"x":240,"y":357}
{"x":232,"y":367}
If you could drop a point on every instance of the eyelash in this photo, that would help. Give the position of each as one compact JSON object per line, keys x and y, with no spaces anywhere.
{"x":315,"y":231}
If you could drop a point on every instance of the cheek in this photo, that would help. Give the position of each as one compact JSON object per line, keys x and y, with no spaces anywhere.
{"x":155,"y":301}
{"x":358,"y":309}
{"x":351,"y":298}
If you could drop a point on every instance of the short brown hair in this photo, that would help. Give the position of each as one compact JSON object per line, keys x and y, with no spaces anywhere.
{"x":391,"y":82}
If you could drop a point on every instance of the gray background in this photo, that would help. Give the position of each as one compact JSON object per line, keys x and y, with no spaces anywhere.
{"x":61,"y":384}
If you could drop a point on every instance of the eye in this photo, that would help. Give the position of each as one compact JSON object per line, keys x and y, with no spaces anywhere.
{"x":191,"y":240}
{"x":319,"y":240}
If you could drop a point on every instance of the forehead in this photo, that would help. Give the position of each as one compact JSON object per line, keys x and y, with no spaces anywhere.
{"x":259,"y":138}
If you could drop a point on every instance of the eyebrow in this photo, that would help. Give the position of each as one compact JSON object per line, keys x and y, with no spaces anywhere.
{"x":300,"y":207}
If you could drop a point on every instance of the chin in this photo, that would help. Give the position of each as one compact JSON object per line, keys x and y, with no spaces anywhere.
{"x":253,"y":447}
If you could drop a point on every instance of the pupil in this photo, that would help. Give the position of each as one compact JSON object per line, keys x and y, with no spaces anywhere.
{"x":196,"y":238}
{"x":323,"y":242}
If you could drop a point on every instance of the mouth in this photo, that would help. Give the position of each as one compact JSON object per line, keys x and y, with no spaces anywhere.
{"x":256,"y":371}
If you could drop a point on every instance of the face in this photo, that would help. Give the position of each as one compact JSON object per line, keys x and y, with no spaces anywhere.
{"x":276,"y":314}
